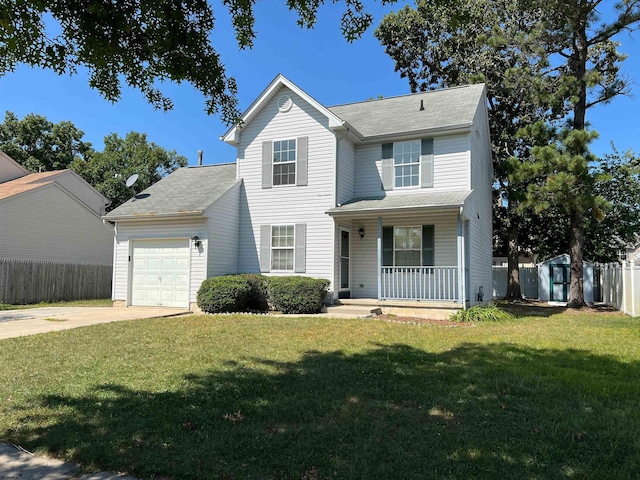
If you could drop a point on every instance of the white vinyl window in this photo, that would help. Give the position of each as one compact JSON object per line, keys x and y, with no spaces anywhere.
{"x":407,"y":246}
{"x":406,"y":163}
{"x":284,"y":162}
{"x":282,"y":247}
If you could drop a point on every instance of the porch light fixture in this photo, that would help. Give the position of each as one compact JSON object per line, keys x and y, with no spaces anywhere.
{"x":196,"y":241}
{"x":361,"y":232}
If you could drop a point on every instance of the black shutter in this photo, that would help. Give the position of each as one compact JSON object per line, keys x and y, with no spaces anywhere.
{"x":387,"y":166}
{"x":387,"y":246}
{"x":428,"y":246}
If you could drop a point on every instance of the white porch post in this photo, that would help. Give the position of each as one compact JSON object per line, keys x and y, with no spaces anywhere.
{"x":379,"y":240}
{"x":461,"y":271}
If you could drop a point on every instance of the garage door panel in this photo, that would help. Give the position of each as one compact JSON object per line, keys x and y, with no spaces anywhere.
{"x":182,"y":264}
{"x":168,"y":264}
{"x":160,"y":273}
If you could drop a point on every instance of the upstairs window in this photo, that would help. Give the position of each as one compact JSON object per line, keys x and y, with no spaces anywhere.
{"x":284,"y":162}
{"x":406,"y":163}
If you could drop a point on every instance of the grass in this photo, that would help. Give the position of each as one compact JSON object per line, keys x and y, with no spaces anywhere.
{"x":102,"y":302}
{"x":242,"y":397}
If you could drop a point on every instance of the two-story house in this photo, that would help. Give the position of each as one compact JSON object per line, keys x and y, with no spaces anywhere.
{"x":389,"y":199}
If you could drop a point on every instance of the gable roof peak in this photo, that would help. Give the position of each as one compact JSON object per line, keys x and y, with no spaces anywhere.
{"x":232,"y":135}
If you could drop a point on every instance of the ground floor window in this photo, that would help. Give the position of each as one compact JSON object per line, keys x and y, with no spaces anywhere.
{"x":408,"y":246}
{"x":282,"y":247}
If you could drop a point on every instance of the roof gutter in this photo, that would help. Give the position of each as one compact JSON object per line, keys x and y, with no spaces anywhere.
{"x":407,"y":209}
{"x":450,"y":129}
{"x":153,"y":216}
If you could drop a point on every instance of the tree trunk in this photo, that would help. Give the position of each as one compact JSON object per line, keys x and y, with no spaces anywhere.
{"x":576,"y":245}
{"x":576,"y":238}
{"x":514,"y":291}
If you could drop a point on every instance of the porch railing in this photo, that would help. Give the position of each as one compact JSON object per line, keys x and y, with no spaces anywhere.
{"x":419,"y":283}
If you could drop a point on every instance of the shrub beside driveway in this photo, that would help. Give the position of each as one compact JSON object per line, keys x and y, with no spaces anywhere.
{"x":260,"y":397}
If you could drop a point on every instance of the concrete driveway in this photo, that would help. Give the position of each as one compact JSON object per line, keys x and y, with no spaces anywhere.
{"x":31,"y":321}
{"x":18,"y":464}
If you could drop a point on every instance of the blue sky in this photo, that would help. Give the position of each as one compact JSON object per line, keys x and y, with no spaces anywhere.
{"x":319,"y":61}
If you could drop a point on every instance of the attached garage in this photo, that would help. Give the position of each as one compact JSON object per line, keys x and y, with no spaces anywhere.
{"x":160,"y":273}
{"x":175,"y":234}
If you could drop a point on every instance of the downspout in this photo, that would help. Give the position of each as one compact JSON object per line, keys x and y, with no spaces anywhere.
{"x":113,"y":267}
{"x":334,"y":267}
{"x":379,"y":268}
{"x":461,"y":266}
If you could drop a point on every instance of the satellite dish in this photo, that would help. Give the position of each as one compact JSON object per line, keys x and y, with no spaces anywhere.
{"x":131,"y":180}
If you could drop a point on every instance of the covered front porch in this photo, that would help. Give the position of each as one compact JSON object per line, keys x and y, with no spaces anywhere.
{"x":402,"y":254}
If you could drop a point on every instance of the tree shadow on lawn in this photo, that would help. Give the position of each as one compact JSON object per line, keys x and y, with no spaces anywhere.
{"x":393,"y":411}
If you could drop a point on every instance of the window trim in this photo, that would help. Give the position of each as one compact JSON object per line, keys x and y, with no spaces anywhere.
{"x":292,"y":248}
{"x":419,"y":227}
{"x":427,"y":253}
{"x":418,"y":163}
{"x":288,"y":162}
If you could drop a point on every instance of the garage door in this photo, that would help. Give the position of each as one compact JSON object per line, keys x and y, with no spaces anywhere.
{"x":160,"y":273}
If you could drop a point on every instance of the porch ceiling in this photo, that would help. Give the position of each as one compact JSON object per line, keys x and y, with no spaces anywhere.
{"x":403,"y":203}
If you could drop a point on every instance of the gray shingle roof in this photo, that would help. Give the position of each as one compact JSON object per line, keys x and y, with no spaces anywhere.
{"x":187,"y":190}
{"x":431,"y":200}
{"x":446,"y":108}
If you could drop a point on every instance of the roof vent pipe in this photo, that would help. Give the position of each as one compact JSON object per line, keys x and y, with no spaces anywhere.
{"x":199,"y":158}
{"x":421,"y":105}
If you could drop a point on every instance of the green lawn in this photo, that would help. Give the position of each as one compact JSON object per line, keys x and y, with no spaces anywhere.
{"x":102,"y":302}
{"x":241,"y":397}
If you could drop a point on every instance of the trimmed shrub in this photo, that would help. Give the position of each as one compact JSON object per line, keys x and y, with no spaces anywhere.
{"x":480,"y":313}
{"x":299,"y":295}
{"x":258,"y":297}
{"x":229,"y":293}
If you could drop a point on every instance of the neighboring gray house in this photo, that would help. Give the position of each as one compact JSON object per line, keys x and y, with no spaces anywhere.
{"x":554,"y":279}
{"x":54,"y":216}
{"x":631,"y":252}
{"x":388,"y":199}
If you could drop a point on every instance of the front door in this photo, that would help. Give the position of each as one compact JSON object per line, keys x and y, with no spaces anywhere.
{"x":559,"y":282}
{"x":345,"y":248}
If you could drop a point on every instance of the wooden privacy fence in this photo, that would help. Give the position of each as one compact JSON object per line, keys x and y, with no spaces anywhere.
{"x":33,"y":281}
{"x":528,"y":281}
{"x":621,"y":286}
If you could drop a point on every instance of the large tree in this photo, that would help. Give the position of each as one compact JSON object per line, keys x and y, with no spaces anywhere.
{"x":143,"y":42}
{"x":108,"y":170}
{"x":39,"y":144}
{"x":445,"y":44}
{"x":587,"y":65}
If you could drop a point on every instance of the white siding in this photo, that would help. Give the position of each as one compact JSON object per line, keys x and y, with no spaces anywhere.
{"x":9,"y":169}
{"x":346,"y":165}
{"x":224,"y":231}
{"x":478,"y":208}
{"x":288,"y":204}
{"x":81,"y":189}
{"x":49,"y":224}
{"x":364,"y":256}
{"x":450,"y":167}
{"x":159,"y":229}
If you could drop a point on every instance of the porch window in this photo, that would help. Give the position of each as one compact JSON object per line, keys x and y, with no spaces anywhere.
{"x":284,"y":162}
{"x":408,"y":246}
{"x":406,"y":162}
{"x":282,"y":247}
